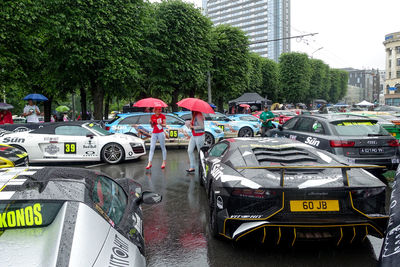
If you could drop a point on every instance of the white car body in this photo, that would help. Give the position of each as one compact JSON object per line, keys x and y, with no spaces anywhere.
{"x":54,"y":146}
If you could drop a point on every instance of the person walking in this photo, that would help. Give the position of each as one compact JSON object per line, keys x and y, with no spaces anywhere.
{"x":197,"y":139}
{"x":157,"y":121}
{"x":31,"y":112}
{"x":266,"y":117}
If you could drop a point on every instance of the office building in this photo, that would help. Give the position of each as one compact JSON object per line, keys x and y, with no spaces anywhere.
{"x":392,"y":81}
{"x":266,"y":22}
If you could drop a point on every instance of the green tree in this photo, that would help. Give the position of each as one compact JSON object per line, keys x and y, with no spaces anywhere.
{"x":181,"y":51}
{"x":326,"y":83}
{"x":255,"y":77}
{"x":344,"y":80}
{"x":270,"y":80}
{"x":334,"y":92}
{"x":294,"y":74}
{"x":94,"y":45}
{"x":316,"y":82}
{"x":230,"y":63}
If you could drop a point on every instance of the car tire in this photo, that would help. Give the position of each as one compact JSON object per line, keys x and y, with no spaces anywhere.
{"x":201,"y":173}
{"x":208,"y":139}
{"x":246,"y":132}
{"x":212,"y":221}
{"x":112,"y":153}
{"x":19,"y":147}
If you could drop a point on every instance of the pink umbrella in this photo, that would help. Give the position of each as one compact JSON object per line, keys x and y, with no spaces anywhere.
{"x":244,"y":106}
{"x":195,"y":104}
{"x":150,"y":103}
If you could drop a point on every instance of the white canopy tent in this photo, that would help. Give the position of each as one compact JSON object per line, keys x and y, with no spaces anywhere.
{"x":364,"y":103}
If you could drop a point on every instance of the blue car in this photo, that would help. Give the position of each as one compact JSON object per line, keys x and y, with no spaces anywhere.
{"x":176,"y":132}
{"x":231,"y":128}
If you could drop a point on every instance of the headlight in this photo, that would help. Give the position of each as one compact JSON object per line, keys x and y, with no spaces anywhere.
{"x":135,"y":145}
{"x":256,"y":125}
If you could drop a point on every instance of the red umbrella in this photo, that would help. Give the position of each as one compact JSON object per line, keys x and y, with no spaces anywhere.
{"x":244,"y":106}
{"x":150,"y":103}
{"x":195,"y":104}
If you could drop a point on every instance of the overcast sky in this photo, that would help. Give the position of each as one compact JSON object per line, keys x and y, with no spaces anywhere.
{"x":351,"y":32}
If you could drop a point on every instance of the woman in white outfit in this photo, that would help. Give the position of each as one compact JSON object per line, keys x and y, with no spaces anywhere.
{"x":157,"y":121}
{"x":197,"y":139}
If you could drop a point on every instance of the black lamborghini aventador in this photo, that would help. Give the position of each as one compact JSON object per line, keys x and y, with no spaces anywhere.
{"x":275,"y":189}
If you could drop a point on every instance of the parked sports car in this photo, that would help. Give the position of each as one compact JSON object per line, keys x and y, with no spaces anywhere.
{"x":177,"y":132}
{"x":275,"y":189}
{"x":360,"y":140}
{"x":12,"y":157}
{"x":70,"y":217}
{"x":283,"y":116}
{"x":231,"y":128}
{"x":75,"y":141}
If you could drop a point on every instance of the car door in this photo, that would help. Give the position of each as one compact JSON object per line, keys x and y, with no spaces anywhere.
{"x":286,"y":130}
{"x":302,"y":129}
{"x":227,"y":125}
{"x":76,"y":141}
{"x":318,"y":136}
{"x":127,"y":125}
{"x":212,"y":168}
{"x":176,"y":131}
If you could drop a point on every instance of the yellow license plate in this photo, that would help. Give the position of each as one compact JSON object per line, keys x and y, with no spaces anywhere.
{"x":314,"y":205}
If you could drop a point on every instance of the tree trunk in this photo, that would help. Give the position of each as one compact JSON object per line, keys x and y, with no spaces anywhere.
{"x":220,"y":104}
{"x":107,"y":107}
{"x":47,"y":109}
{"x":192,"y":93}
{"x":98,"y":99}
{"x":83,"y":104}
{"x":173,"y":102}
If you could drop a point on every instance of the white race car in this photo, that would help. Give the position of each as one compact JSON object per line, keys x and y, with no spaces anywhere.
{"x":75,"y":141}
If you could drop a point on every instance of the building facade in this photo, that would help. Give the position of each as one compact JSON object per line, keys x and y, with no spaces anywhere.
{"x":369,"y":82}
{"x":265,"y":22}
{"x":392,"y":81}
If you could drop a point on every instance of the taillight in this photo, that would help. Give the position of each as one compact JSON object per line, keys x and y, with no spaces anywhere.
{"x":107,"y":128}
{"x":253,"y":193}
{"x":393,"y":142}
{"x":337,"y":143}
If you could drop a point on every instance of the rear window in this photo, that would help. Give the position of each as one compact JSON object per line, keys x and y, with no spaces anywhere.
{"x":113,"y":120}
{"x":27,"y":214}
{"x":358,"y":128}
{"x":248,"y":118}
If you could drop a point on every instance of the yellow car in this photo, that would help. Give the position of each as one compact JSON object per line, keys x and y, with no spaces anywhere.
{"x":12,"y":157}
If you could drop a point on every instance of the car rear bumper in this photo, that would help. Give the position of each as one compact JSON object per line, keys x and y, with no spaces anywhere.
{"x":390,"y":163}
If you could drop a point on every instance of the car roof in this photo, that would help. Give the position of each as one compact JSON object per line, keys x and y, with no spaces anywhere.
{"x":336,"y":117}
{"x":50,"y":127}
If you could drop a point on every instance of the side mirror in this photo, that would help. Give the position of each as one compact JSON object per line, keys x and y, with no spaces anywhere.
{"x":280,"y":127}
{"x":90,"y":135}
{"x":149,"y":198}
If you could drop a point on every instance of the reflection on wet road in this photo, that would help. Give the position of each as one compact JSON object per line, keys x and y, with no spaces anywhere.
{"x":176,"y":230}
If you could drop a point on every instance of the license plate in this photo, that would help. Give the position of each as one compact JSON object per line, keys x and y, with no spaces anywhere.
{"x":375,"y":150}
{"x":314,"y":205}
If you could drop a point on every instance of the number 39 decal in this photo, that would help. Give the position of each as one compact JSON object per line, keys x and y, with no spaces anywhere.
{"x":70,"y":148}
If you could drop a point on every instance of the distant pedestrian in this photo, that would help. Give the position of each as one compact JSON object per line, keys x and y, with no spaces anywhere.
{"x":197,"y":139}
{"x":31,"y":112}
{"x":157,"y":121}
{"x":266,"y":117}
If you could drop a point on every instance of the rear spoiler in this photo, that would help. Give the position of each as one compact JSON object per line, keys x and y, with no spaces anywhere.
{"x":343,"y":168}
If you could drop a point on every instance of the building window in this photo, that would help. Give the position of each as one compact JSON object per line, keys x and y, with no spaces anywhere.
{"x":398,"y":49}
{"x":398,"y":62}
{"x":390,"y":51}
{"x":398,"y":74}
{"x":390,"y":63}
{"x":390,"y":75}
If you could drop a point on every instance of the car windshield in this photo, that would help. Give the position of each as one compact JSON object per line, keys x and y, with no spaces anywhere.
{"x":359,"y":128}
{"x":27,"y":214}
{"x":97,"y":129}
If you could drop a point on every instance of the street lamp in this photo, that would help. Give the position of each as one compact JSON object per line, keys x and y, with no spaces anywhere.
{"x":312,"y":54}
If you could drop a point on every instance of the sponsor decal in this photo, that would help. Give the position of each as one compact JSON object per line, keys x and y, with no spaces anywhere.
{"x":216,"y":171}
{"x":247,"y":216}
{"x":119,"y":253}
{"x":220,"y":202}
{"x":391,"y":244}
{"x":28,"y":216}
{"x":50,"y":157}
{"x":13,"y":140}
{"x":130,"y":153}
{"x":21,"y":129}
{"x":293,"y":137}
{"x":372,"y":142}
{"x":89,"y":145}
{"x":52,"y":149}
{"x":89,"y":153}
{"x":312,"y":141}
{"x":50,"y":139}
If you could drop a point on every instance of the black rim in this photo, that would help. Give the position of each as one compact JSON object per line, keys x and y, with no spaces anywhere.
{"x":208,"y":140}
{"x":245,"y":132}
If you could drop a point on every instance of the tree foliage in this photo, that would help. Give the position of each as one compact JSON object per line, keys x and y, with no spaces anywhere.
{"x":255,"y":77}
{"x":230,"y":63}
{"x":295,"y":73}
{"x":270,"y":80}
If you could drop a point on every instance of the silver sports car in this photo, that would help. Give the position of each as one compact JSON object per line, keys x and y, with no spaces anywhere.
{"x":70,"y":217}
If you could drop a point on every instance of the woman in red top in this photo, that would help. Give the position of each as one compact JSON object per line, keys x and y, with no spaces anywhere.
{"x":197,"y":139}
{"x":157,"y":121}
{"x":6,"y":117}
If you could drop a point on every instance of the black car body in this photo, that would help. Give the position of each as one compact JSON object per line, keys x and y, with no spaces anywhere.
{"x":273,"y":189}
{"x":359,"y":139}
{"x":70,"y":217}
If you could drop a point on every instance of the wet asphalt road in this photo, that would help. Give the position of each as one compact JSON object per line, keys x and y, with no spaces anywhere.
{"x":176,"y":230}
